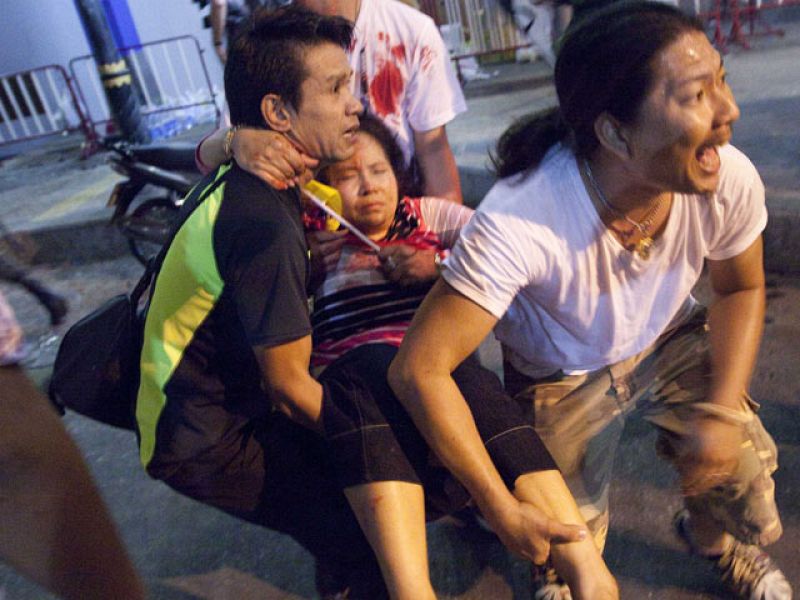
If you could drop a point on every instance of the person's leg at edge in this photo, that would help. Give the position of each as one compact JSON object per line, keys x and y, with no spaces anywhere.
{"x":729,"y":524}
{"x":54,"y":527}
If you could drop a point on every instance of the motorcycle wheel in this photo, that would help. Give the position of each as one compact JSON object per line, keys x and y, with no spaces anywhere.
{"x":148,"y":227}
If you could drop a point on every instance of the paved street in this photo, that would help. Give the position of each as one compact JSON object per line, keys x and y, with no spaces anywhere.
{"x":186,"y":550}
{"x":54,"y":203}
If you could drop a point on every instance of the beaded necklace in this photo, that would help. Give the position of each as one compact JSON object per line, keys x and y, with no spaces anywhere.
{"x":643,"y":246}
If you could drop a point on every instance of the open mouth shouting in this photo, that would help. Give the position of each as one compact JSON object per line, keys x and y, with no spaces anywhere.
{"x":707,"y":155}
{"x":708,"y":158}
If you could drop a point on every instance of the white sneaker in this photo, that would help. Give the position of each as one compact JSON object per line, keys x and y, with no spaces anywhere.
{"x":547,"y":585}
{"x":745,"y":569}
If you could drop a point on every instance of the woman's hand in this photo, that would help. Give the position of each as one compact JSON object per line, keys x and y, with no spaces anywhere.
{"x":407,"y":265}
{"x":269,"y":156}
{"x":325,"y":248}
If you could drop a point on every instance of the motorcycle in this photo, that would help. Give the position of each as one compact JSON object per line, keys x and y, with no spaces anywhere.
{"x":143,"y":218}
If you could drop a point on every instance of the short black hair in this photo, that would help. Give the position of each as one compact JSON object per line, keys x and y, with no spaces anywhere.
{"x":268,"y":57}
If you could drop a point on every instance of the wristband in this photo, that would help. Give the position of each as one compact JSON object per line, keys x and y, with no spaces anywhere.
{"x":227,"y":144}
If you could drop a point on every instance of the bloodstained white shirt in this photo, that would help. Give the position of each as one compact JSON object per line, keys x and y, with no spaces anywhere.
{"x":402,"y":70}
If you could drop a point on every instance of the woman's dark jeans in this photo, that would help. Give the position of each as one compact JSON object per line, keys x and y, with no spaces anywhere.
{"x":372,"y":437}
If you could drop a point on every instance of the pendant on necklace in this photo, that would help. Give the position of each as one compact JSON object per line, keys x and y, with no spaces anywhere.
{"x":643,"y":246}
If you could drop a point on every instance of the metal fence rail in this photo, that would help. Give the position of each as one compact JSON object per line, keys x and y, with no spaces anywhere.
{"x":481,"y":27}
{"x":170,"y":76}
{"x":37,"y":103}
{"x":474,"y":27}
{"x":742,"y":18}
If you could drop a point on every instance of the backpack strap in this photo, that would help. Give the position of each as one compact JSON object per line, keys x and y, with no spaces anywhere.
{"x":194,"y":199}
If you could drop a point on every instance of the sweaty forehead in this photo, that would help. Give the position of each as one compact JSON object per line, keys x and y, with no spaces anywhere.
{"x":691,"y":55}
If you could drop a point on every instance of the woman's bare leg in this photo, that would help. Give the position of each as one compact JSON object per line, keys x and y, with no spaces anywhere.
{"x":392,"y":516}
{"x":580,"y":564}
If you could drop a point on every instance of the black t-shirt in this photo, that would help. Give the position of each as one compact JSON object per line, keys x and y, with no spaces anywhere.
{"x":234,"y":278}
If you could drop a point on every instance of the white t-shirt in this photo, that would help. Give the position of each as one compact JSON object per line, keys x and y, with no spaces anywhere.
{"x":403,"y":71}
{"x":537,"y":256}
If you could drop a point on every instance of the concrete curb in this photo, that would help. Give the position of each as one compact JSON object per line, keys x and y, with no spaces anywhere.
{"x":95,"y":239}
{"x":79,"y":242}
{"x":781,"y":239}
{"x":505,"y":86}
{"x":782,"y":242}
{"x":475,"y":183}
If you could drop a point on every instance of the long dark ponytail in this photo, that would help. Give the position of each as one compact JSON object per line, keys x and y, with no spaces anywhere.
{"x":523,"y":145}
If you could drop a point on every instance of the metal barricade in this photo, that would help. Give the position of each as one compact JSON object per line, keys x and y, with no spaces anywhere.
{"x":37,"y":103}
{"x":171,"y":80}
{"x":742,"y":17}
{"x":474,"y":28}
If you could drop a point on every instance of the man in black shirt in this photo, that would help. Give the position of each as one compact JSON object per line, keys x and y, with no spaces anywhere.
{"x":227,"y":411}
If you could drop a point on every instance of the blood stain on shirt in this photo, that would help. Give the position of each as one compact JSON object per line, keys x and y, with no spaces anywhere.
{"x":399,"y":51}
{"x":386,"y":88}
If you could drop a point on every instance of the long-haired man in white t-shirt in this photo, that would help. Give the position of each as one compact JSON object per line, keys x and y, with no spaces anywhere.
{"x":582,"y":259}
